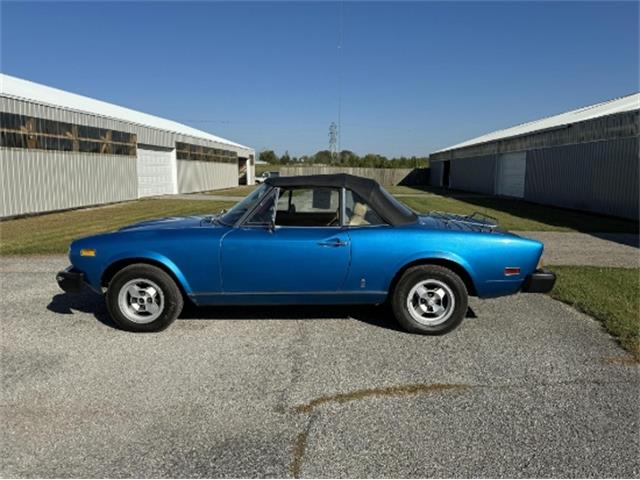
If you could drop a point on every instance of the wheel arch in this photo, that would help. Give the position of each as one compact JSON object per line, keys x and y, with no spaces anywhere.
{"x":452,"y":265}
{"x":117,"y":265}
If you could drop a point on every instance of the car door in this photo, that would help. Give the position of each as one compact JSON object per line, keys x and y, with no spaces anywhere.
{"x":300,"y":254}
{"x":374,"y":247}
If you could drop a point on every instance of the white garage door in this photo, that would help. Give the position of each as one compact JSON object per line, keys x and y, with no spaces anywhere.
{"x":156,"y":172}
{"x":511,"y":172}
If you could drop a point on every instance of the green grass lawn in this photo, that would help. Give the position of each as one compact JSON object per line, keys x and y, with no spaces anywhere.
{"x":512,"y":214}
{"x":611,"y":295}
{"x":520,"y":215}
{"x":406,"y":190}
{"x":51,"y":233}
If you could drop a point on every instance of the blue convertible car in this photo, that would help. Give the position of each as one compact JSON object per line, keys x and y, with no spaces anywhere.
{"x":325,"y":239}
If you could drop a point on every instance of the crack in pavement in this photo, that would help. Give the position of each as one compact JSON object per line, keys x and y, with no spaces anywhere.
{"x":301,"y":442}
{"x":393,"y":391}
{"x":299,"y":448}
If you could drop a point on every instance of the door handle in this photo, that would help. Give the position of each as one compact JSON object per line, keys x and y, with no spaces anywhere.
{"x":333,"y":242}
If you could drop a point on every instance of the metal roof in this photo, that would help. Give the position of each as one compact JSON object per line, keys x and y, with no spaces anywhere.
{"x":42,"y":94}
{"x":617,"y":105}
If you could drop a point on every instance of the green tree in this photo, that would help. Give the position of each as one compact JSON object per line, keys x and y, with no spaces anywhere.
{"x":285,"y":159}
{"x":348,"y":158}
{"x":323,"y":157}
{"x":268,"y":156}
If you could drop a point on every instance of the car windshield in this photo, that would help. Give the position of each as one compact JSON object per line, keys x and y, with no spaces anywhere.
{"x":397,"y":203}
{"x":239,"y":209}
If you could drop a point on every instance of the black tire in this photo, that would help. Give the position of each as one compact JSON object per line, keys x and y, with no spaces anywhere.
{"x":440,"y":278}
{"x":168,"y":301}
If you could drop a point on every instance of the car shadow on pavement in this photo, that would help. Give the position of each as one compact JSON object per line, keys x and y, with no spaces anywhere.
{"x":86,"y":301}
{"x":381,"y":316}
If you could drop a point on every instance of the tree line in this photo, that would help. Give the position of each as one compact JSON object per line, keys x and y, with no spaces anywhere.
{"x":345,"y":158}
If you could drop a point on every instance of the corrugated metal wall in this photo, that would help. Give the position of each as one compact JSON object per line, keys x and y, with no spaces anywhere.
{"x":598,"y":176}
{"x":41,"y":180}
{"x":197,"y":176}
{"x":36,"y":181}
{"x":475,"y":174}
{"x":146,"y":135}
{"x":609,"y":127}
{"x":435,"y":176}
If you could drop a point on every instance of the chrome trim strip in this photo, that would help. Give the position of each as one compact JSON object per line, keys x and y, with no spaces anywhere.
{"x":353,"y":292}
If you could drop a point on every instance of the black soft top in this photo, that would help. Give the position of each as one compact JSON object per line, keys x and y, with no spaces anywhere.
{"x":385,"y":205}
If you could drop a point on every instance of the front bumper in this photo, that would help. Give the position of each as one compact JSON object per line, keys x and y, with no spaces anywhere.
{"x":540,"y":281}
{"x":70,"y":280}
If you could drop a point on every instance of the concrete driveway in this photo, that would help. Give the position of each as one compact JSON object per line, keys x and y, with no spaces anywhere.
{"x":529,"y":388}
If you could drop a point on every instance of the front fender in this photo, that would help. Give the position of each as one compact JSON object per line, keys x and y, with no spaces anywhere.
{"x":143,"y":255}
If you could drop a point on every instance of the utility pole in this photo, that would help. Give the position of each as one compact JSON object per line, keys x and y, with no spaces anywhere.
{"x":333,"y":140}
{"x":340,"y":37}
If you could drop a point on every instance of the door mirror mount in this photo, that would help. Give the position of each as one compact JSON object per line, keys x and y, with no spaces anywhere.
{"x":271,"y":226}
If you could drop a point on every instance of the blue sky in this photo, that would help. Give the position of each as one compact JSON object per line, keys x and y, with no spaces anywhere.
{"x":414,"y":77}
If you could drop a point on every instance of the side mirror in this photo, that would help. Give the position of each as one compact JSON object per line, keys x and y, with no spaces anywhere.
{"x":223,"y":211}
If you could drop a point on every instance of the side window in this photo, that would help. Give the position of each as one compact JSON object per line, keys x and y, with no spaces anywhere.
{"x":308,"y":207}
{"x":358,"y":212}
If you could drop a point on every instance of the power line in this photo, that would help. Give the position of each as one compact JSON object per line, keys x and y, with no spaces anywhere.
{"x":340,"y":39}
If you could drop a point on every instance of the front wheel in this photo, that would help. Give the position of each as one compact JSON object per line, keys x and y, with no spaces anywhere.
{"x":429,"y":299}
{"x":143,"y":298}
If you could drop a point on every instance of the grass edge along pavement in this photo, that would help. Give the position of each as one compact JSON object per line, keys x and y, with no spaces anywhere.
{"x":611,"y":295}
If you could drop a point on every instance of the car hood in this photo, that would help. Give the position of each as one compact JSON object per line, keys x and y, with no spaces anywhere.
{"x":171,"y":223}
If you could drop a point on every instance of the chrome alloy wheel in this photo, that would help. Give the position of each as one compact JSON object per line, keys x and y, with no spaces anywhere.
{"x":141,"y":300}
{"x":431,"y":302}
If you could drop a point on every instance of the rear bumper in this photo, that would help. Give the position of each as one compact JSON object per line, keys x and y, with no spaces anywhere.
{"x":540,"y":281}
{"x":70,"y":280}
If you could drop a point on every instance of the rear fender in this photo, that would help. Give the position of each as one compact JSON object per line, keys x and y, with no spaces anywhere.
{"x":424,"y":257}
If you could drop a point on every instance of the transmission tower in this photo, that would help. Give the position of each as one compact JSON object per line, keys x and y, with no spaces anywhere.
{"x":333,"y":140}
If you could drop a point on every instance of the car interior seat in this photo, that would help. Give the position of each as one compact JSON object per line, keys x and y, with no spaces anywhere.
{"x":359,"y":212}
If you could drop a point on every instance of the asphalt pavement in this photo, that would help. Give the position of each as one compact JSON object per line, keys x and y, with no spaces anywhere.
{"x":594,"y":249}
{"x":527,"y":388}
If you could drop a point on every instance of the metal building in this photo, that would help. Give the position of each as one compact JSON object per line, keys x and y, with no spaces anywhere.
{"x":586,"y":159}
{"x":60,"y":150}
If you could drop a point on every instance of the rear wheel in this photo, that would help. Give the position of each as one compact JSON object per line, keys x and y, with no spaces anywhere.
{"x":429,"y":299}
{"x":143,"y":298}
